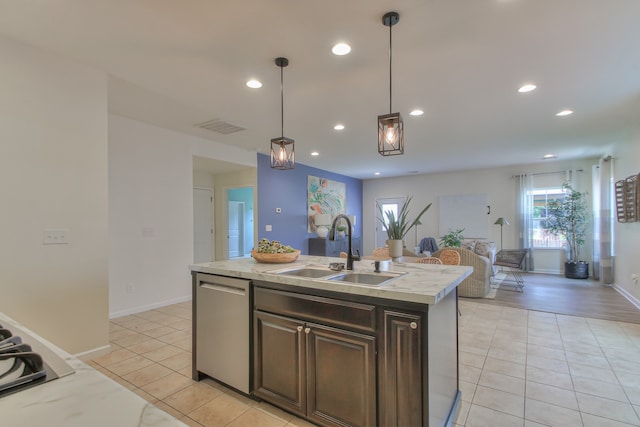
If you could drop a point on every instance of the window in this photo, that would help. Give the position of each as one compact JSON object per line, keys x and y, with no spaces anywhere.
{"x":541,"y":199}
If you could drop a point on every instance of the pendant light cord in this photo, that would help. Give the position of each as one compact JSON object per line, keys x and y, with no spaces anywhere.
{"x":390,"y":72}
{"x":282,"y":101}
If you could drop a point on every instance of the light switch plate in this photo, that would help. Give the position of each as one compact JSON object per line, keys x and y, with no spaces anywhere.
{"x":56,"y":236}
{"x":267,"y":227}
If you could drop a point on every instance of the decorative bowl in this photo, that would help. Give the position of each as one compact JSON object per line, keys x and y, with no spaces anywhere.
{"x":280,"y":258}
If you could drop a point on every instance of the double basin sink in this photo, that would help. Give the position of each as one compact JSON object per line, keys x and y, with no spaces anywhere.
{"x":353,"y":277}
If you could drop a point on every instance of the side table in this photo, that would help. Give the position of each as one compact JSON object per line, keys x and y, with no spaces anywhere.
{"x":513,"y":259}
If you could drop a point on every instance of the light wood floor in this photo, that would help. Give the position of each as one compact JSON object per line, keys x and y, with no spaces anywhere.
{"x":575,"y":297}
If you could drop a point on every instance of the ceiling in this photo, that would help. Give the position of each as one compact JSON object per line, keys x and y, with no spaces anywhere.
{"x":177,"y":63}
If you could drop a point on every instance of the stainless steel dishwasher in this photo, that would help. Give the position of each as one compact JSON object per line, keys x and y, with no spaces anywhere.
{"x":222,"y":332}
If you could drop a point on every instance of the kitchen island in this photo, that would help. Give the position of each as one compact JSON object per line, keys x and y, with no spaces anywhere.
{"x":339,"y":353}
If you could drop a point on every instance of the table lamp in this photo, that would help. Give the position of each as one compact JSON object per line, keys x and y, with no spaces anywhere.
{"x":322,"y":222}
{"x":501,"y":221}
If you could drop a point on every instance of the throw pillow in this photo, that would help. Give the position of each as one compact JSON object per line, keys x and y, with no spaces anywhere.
{"x":471,"y":245}
{"x":484,"y":248}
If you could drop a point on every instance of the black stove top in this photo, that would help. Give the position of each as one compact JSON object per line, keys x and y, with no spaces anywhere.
{"x":20,"y":366}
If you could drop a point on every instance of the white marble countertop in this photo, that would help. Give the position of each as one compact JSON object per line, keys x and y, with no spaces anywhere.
{"x":421,"y":283}
{"x":81,"y":399}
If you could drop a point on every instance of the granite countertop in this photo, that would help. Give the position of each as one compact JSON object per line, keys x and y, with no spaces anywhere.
{"x":80,"y":399}
{"x":421,"y":283}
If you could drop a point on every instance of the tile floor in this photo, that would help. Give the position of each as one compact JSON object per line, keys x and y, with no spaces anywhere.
{"x":517,"y":368}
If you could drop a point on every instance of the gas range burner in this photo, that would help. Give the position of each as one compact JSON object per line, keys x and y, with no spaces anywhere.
{"x":20,"y":366}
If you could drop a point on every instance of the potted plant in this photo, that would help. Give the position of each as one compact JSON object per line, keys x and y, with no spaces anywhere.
{"x":341,"y":229}
{"x":569,"y":218}
{"x":398,"y":227}
{"x":453,"y":238}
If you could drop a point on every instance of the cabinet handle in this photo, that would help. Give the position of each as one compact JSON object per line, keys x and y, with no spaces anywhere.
{"x":307,"y":330}
{"x":299,"y":328}
{"x":413,"y":325}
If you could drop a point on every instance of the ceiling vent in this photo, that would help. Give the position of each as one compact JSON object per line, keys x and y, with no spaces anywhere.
{"x":220,"y":126}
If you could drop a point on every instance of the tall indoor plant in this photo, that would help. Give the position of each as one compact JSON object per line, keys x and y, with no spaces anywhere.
{"x":569,"y":218}
{"x":398,"y":227}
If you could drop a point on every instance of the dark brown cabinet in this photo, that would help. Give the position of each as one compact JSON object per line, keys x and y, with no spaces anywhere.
{"x":325,"y":247}
{"x":279,"y":359}
{"x":346,"y":360}
{"x":401,"y":379}
{"x":341,"y":376}
{"x":324,"y":373}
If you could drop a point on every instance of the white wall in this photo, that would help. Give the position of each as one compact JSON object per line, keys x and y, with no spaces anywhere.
{"x":151,"y":212}
{"x":627,"y":235}
{"x":53,"y":174}
{"x":497,"y":184}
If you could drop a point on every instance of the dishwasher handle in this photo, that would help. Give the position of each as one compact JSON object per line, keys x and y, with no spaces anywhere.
{"x":223,"y":288}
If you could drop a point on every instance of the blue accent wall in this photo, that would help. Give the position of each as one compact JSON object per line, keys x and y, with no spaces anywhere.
{"x":287,"y":190}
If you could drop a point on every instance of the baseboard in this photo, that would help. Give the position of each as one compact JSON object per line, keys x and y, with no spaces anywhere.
{"x":92,"y":354}
{"x":147,"y":307}
{"x":553,"y":272}
{"x":622,"y":291}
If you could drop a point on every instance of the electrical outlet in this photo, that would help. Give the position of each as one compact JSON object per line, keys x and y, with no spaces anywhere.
{"x":634,"y":278}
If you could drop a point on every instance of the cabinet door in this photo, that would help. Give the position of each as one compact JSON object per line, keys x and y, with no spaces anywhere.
{"x":279,"y":361}
{"x":401,"y":374}
{"x":341,"y":377}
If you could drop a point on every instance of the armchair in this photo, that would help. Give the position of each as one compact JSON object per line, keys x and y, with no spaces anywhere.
{"x":478,"y":284}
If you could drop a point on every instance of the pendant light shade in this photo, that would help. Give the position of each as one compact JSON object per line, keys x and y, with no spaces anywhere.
{"x":390,"y":126}
{"x":282,"y":148}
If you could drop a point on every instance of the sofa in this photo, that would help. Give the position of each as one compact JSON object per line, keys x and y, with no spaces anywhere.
{"x":481,"y":259}
{"x":481,"y":247}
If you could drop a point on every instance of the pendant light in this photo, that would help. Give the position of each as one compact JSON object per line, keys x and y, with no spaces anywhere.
{"x":282,"y":148}
{"x":390,"y":126}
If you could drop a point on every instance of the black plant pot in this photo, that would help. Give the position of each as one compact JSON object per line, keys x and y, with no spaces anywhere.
{"x":576,"y":270}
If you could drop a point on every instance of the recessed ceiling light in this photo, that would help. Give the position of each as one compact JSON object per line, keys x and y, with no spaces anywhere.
{"x":564,"y":113}
{"x":416,"y":113}
{"x":376,"y":173}
{"x":315,"y":153}
{"x":338,"y":127}
{"x":341,"y":49}
{"x":254,"y":84}
{"x":526,"y":88}
{"x":549,"y":156}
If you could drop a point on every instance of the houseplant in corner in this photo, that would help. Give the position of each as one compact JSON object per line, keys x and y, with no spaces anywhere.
{"x":569,"y":218}
{"x":398,"y":227}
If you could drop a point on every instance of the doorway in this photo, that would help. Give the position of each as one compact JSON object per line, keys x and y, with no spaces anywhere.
{"x":393,"y":204}
{"x":240,"y":221}
{"x":236,"y":229}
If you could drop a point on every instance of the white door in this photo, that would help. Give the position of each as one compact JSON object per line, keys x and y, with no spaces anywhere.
{"x":202,"y":225}
{"x":236,"y":229}
{"x":389,"y":204}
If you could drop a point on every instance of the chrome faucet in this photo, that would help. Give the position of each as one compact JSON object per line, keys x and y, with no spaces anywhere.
{"x":332,"y":236}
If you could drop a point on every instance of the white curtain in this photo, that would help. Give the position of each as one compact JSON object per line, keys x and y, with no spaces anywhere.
{"x":603,"y":205}
{"x":525,"y":214}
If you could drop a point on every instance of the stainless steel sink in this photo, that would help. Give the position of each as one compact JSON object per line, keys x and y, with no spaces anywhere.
{"x":324,"y":273}
{"x":373,"y":279}
{"x":311,"y":272}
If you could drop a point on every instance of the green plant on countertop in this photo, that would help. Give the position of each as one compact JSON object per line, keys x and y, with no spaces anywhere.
{"x":397,"y":228}
{"x":341,"y":228}
{"x":453,"y":238}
